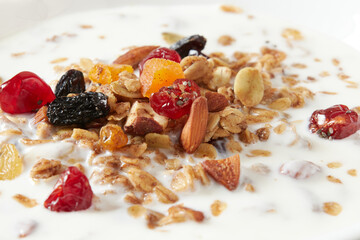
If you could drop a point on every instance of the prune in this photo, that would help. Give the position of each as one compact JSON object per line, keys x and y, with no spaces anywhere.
{"x":71,"y":82}
{"x":80,"y":109}
{"x":185,"y":45}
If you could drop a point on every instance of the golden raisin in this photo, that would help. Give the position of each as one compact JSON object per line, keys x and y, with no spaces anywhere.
{"x":112,"y":137}
{"x":105,"y":74}
{"x":10,"y":162}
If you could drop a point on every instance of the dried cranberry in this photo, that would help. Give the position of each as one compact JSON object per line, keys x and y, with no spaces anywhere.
{"x":336,"y":122}
{"x":161,"y":52}
{"x":24,"y":93}
{"x":72,"y":192}
{"x":175,"y":101}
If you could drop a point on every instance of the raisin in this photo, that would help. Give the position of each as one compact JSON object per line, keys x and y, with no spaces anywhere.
{"x":188,"y":44}
{"x":80,"y":109}
{"x":71,"y":82}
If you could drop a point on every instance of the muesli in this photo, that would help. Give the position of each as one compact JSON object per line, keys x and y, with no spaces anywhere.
{"x":183,"y":128}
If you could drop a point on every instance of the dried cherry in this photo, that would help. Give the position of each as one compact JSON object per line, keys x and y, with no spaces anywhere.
{"x":72,"y":192}
{"x":71,"y":82}
{"x":26,"y":92}
{"x":162,"y":52}
{"x":175,"y":101}
{"x":186,"y":45}
{"x":80,"y":109}
{"x":336,"y":122}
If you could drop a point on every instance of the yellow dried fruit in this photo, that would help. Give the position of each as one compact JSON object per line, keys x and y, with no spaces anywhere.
{"x":112,"y":137}
{"x":106,"y":74}
{"x":10,"y":162}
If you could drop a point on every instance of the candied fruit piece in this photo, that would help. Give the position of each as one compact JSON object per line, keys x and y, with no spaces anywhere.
{"x":10,"y":162}
{"x":72,"y":192}
{"x":158,"y":73}
{"x":336,"y":122}
{"x":175,"y":101}
{"x":112,"y":137}
{"x":106,"y":74}
{"x":26,"y":92}
{"x":164,"y":53}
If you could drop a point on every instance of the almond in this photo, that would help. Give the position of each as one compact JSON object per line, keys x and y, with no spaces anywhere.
{"x":225,"y":171}
{"x":216,"y":101}
{"x":134,"y":56}
{"x":194,"y":130}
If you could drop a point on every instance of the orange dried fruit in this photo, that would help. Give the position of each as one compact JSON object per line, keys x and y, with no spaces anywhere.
{"x":158,"y":73}
{"x":10,"y":162}
{"x":105,"y":74}
{"x":112,"y":137}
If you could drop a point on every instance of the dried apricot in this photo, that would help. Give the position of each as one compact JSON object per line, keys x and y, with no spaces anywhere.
{"x":112,"y":137}
{"x":158,"y":73}
{"x":106,"y":74}
{"x":10,"y":162}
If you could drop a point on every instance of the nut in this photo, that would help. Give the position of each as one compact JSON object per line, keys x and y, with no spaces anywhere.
{"x":142,"y":120}
{"x":194,"y":130}
{"x":249,"y":86}
{"x":134,"y":56}
{"x":216,"y":101}
{"x":225,"y":171}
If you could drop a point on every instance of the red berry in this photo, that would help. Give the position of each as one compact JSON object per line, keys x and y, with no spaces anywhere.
{"x":24,"y":93}
{"x":72,"y":192}
{"x":336,"y":122}
{"x":175,"y":101}
{"x":161,"y":52}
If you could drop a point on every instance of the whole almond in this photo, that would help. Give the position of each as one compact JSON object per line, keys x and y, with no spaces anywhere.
{"x":134,"y":56}
{"x":216,"y":101}
{"x":249,"y":86}
{"x":194,"y":130}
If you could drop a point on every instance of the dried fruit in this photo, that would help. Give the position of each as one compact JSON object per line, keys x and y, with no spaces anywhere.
{"x":162,"y":52}
{"x":112,"y":137}
{"x":186,"y":45}
{"x":105,"y":74}
{"x":80,"y":109}
{"x":175,"y":101}
{"x":225,"y":171}
{"x":71,"y":82}
{"x":24,"y":93}
{"x":299,"y":169}
{"x":336,"y":122}
{"x":194,"y":130}
{"x":249,"y":86}
{"x":10,"y":162}
{"x":158,"y":73}
{"x":72,"y":192}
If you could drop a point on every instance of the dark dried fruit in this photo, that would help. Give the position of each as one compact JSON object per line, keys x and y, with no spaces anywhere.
{"x":185,"y":45}
{"x":71,"y":82}
{"x":80,"y":109}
